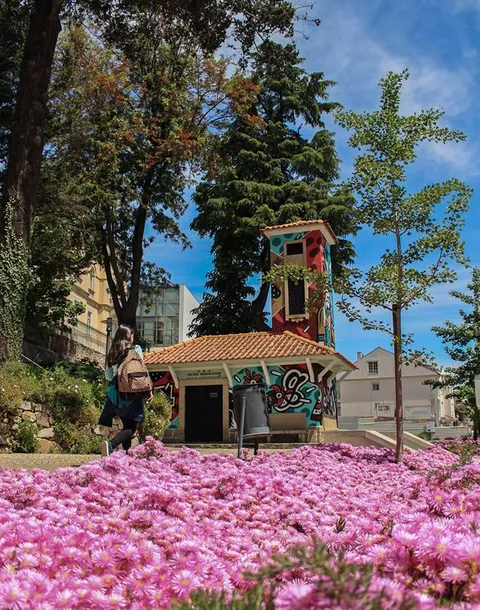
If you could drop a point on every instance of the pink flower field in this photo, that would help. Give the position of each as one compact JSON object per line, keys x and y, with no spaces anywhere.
{"x":144,"y":530}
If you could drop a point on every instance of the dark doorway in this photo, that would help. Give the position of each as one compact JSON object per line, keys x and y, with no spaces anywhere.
{"x":204,"y":414}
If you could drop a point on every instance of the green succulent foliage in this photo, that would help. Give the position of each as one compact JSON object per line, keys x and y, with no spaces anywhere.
{"x":337,"y":582}
{"x":275,"y":172}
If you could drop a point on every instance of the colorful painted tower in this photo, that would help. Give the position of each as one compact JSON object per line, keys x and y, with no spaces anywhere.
{"x":306,"y":243}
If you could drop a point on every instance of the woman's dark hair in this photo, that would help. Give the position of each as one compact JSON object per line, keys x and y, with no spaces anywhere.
{"x":119,"y":345}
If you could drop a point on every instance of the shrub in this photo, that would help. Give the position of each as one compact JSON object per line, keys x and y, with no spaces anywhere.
{"x":157,"y":416}
{"x":73,"y":438}
{"x":84,"y":369}
{"x":17,"y":383}
{"x":72,"y":403}
{"x":26,"y":440}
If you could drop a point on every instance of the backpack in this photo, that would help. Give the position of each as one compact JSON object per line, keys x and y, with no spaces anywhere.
{"x":133,"y":380}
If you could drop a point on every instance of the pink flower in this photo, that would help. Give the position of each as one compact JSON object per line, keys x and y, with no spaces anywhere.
{"x":183,"y":582}
{"x":295,"y":596}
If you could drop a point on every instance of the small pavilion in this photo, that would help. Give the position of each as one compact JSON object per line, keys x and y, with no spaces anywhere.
{"x":296,"y":360}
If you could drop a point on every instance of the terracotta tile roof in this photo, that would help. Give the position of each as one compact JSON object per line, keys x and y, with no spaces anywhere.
{"x":242,"y":346}
{"x":301,"y":223}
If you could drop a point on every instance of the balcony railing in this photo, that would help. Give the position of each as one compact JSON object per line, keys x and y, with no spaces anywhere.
{"x":89,"y":337}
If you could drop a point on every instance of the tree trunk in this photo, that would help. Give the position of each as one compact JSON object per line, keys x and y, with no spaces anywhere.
{"x":126,"y":304}
{"x":258,"y":307}
{"x":476,"y":422}
{"x":23,"y":172}
{"x":397,"y":338}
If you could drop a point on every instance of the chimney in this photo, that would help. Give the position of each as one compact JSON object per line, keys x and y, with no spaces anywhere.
{"x":359,"y":356}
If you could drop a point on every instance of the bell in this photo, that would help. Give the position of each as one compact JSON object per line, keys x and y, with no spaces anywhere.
{"x":254,"y":399}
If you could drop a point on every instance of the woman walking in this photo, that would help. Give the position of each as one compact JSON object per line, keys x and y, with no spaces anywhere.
{"x":129,"y":409}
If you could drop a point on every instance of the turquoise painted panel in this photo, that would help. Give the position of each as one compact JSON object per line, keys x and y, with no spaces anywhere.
{"x":277,"y":241}
{"x":290,"y":391}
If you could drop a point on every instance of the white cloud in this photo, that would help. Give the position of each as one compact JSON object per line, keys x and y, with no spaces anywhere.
{"x":348,"y":50}
{"x":466,"y":5}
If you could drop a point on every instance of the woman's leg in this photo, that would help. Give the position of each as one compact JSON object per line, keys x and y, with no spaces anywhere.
{"x":124,"y":437}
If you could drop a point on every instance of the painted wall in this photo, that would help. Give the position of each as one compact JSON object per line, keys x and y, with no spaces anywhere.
{"x":163,"y":381}
{"x":317,"y":326}
{"x":291,"y":391}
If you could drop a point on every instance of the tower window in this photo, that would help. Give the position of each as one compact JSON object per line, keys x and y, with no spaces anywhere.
{"x":295,"y":248}
{"x":296,"y":298}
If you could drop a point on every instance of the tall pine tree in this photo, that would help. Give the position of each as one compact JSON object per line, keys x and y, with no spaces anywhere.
{"x":281,"y":167}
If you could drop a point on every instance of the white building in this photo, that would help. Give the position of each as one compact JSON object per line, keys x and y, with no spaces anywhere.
{"x":370,"y":390}
{"x":167,"y":320}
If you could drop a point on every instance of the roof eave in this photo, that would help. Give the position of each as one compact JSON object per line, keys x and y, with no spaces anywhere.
{"x":341,"y":364}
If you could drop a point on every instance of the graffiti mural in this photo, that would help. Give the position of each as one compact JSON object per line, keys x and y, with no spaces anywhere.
{"x":317,"y":326}
{"x":163,"y":381}
{"x":292,"y":391}
{"x":326,"y":333}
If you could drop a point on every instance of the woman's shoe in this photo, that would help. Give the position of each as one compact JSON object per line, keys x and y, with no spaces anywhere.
{"x":106,"y":448}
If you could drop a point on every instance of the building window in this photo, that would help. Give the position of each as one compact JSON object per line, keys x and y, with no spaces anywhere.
{"x":375,"y":387}
{"x":91,"y":281}
{"x":296,"y":298}
{"x":373,"y":368}
{"x":295,"y":248}
{"x":158,"y":339}
{"x":89,"y":322}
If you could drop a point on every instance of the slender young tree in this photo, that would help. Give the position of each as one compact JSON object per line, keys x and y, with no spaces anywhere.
{"x":462,"y":344}
{"x":281,"y":166}
{"x":423,"y":227}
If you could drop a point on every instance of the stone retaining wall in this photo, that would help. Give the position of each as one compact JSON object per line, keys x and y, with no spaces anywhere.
{"x":43,"y":419}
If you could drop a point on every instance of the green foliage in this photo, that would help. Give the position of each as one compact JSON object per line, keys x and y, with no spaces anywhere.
{"x":274,"y":173}
{"x":466,"y":449}
{"x":14,"y":19}
{"x":423,"y":229}
{"x":26,"y":440}
{"x":278,"y":274}
{"x":73,"y":398}
{"x":427,"y":436}
{"x":339,"y":584}
{"x":462,"y":344}
{"x":157,"y":416}
{"x":14,"y":274}
{"x":17,"y":383}
{"x":125,"y":136}
{"x":63,"y":246}
{"x":73,"y":438}
{"x":67,"y":397}
{"x":84,"y":369}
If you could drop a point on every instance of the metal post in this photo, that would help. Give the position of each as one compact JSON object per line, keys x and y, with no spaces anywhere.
{"x":109,"y":322}
{"x":242,"y":426}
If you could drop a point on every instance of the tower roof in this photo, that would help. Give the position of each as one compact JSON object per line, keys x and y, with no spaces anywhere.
{"x":301,"y":226}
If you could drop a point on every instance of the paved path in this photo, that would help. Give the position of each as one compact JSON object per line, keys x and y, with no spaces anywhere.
{"x":52,"y":461}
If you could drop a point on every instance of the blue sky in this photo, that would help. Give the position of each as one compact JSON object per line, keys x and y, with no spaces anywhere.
{"x":357,"y":43}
